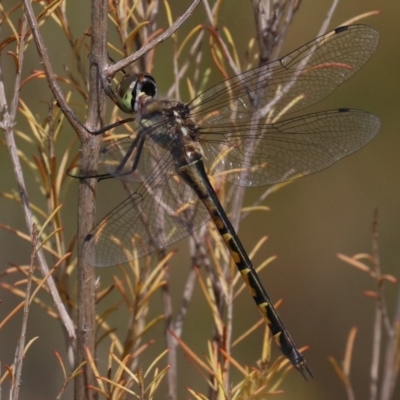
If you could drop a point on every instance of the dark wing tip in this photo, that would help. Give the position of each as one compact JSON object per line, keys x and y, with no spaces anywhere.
{"x":341,"y":29}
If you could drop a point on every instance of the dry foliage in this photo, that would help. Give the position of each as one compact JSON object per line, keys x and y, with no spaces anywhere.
{"x":43,"y":148}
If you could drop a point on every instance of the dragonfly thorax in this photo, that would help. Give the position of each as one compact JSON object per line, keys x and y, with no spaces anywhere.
{"x":168,"y":123}
{"x":182,"y":124}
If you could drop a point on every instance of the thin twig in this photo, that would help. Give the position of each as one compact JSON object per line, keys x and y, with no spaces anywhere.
{"x":48,"y":68}
{"x":186,"y":297}
{"x":199,"y":258}
{"x":377,"y":330}
{"x":210,"y":13}
{"x":328,"y":17}
{"x":19,"y":356}
{"x":270,"y":38}
{"x":381,"y":317}
{"x":172,"y":375}
{"x":193,"y":51}
{"x":391,"y":362}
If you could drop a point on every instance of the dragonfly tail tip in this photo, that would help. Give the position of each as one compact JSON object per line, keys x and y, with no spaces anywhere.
{"x":305,"y":371}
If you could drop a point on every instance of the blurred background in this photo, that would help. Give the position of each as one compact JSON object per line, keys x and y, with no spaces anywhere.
{"x":310,"y":222}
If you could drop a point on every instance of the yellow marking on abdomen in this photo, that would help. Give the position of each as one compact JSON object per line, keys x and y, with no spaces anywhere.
{"x":235,"y":255}
{"x":245,"y":273}
{"x":263,"y":308}
{"x":276,"y":338}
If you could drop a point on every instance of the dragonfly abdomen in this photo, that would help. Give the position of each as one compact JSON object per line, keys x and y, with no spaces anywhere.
{"x":195,"y":176}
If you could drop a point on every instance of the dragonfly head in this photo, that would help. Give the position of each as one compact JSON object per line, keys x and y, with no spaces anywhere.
{"x":132,"y":87}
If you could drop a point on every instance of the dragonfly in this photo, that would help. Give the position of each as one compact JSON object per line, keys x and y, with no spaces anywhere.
{"x":237,"y":130}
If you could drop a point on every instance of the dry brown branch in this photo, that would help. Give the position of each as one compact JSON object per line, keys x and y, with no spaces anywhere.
{"x":8,"y":126}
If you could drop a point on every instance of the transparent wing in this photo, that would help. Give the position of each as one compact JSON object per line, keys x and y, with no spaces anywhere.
{"x":159,"y":212}
{"x":296,"y":81}
{"x":241,"y":126}
{"x":270,"y":153}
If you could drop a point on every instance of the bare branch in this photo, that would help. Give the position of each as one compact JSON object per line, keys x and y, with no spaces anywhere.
{"x":86,"y":324}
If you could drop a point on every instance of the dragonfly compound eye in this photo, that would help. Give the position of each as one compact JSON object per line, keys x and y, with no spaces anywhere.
{"x":134,"y":86}
{"x":146,"y":84}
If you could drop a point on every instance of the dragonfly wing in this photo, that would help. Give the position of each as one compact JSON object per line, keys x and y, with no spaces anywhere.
{"x":163,"y":210}
{"x":294,"y":82}
{"x":270,"y":153}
